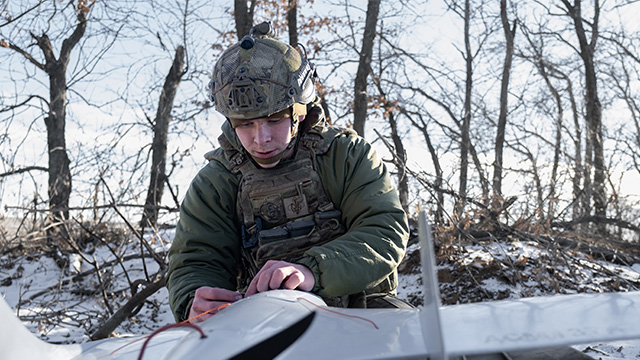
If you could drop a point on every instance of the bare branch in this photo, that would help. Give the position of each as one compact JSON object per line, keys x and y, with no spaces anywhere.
{"x":23,"y":170}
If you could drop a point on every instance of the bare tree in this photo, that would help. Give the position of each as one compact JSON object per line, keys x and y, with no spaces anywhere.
{"x":509,"y":33}
{"x":418,"y":121}
{"x":580,"y":199}
{"x":171,"y":101}
{"x":549,"y":74}
{"x":160,"y":126}
{"x":464,"y":11}
{"x":360,"y":98}
{"x":243,"y":15}
{"x":587,"y":48}
{"x":55,"y":66}
{"x":399,"y":154}
{"x":292,"y":22}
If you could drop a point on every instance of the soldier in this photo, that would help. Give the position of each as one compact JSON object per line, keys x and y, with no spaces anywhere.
{"x":287,"y":201}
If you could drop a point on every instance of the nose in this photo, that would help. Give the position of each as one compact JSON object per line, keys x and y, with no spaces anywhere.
{"x":263,"y":133}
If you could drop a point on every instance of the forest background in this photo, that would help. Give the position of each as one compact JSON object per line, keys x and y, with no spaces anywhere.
{"x":494,"y":116}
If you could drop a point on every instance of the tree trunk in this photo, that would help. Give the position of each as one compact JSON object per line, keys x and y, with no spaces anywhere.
{"x":243,"y":16}
{"x":439,"y":215}
{"x":292,"y":22}
{"x":160,"y":134}
{"x":557,"y":144}
{"x":593,"y":106}
{"x":439,"y":178}
{"x":578,"y":193}
{"x":401,"y":154}
{"x":465,"y":142}
{"x":59,"y":173}
{"x":360,"y":99}
{"x":542,"y":69}
{"x":504,"y":93}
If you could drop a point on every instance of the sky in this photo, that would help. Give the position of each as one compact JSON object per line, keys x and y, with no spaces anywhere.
{"x":91,"y":128}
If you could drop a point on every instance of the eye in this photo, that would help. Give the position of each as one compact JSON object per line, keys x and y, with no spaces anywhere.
{"x":245,"y":124}
{"x":278,"y":120}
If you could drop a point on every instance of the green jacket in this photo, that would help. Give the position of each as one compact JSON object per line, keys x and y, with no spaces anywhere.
{"x":206,"y":247}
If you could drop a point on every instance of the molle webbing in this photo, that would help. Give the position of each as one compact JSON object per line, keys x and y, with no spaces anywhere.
{"x":285,"y":211}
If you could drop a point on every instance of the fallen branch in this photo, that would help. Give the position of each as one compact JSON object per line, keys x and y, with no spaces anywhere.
{"x":80,"y":275}
{"x":127,"y":309}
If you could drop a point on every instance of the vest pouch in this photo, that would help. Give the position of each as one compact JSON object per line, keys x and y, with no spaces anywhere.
{"x":300,"y":227}
{"x":272,"y":235}
{"x":322,"y":216}
{"x":288,"y":248}
{"x":294,"y":238}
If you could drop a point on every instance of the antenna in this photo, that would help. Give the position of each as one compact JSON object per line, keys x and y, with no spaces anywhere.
{"x":430,"y":313}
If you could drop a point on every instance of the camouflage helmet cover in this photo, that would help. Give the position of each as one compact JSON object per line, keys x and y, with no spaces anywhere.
{"x":260,"y":76}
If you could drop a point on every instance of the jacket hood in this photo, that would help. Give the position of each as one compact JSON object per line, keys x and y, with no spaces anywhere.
{"x":230,"y":134}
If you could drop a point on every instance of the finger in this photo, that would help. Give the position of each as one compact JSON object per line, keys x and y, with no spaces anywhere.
{"x":252,"y":287}
{"x":199,"y":306}
{"x":226,"y":295}
{"x":219,"y":294}
{"x":279,"y":276}
{"x":203,"y":310}
{"x":206,"y":293}
{"x":263,"y":281}
{"x":207,"y":298}
{"x":293,"y":281}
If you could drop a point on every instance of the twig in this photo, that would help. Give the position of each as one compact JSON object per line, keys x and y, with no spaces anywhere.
{"x":82,"y":274}
{"x":107,"y":328}
{"x":118,"y":258}
{"x":102,"y":286}
{"x":26,"y":169}
{"x":143,"y":242}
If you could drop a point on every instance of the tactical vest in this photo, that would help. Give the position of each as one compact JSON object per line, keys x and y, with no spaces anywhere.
{"x":284,"y":210}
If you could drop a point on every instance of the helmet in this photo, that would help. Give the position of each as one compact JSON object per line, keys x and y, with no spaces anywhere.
{"x":260,"y":76}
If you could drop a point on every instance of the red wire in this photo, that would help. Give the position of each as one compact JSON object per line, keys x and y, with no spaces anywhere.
{"x":167,"y":327}
{"x":339,"y":313}
{"x":214,"y":310}
{"x":186,"y":323}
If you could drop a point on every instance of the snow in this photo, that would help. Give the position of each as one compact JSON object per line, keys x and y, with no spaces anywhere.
{"x":67,"y":306}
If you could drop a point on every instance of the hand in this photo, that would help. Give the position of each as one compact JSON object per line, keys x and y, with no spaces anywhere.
{"x":281,"y":275}
{"x":208,"y":298}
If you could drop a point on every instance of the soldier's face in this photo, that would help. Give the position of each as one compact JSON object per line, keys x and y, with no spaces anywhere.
{"x":266,"y":137}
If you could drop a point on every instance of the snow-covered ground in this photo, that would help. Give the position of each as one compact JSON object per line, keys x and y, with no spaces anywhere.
{"x":67,"y":306}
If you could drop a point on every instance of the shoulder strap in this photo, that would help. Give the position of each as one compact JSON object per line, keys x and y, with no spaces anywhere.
{"x":227,"y":155}
{"x":319,"y":138}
